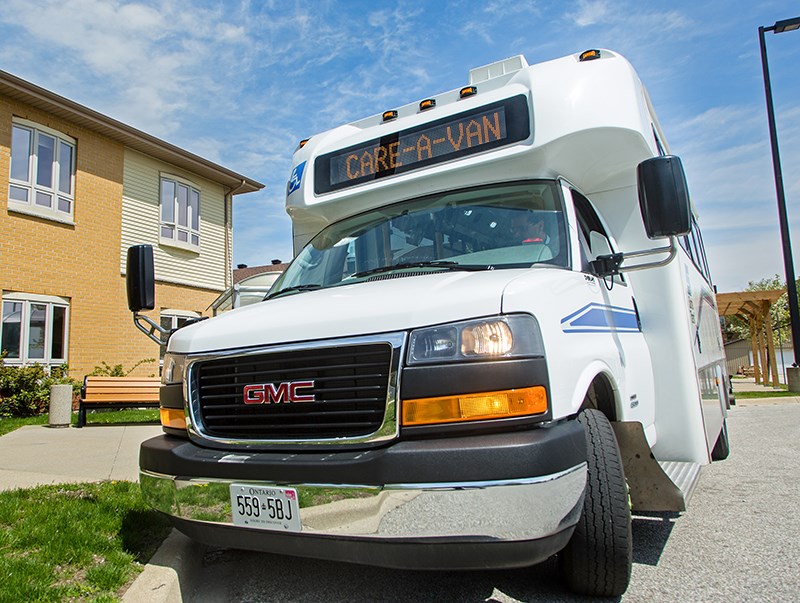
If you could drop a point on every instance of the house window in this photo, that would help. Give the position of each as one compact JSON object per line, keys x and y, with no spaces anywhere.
{"x":180,"y":214}
{"x":42,"y":178}
{"x":175,"y":319}
{"x":34,"y":329}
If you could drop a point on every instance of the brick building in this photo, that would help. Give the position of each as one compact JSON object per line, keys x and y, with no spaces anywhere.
{"x":76,"y":189}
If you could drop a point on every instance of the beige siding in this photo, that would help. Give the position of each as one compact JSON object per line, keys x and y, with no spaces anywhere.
{"x":140,"y":224}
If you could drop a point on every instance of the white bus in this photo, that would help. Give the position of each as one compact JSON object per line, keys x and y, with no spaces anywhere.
{"x":498,"y":336}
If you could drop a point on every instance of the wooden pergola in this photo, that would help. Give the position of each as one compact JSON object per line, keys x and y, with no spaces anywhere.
{"x":754,"y":307}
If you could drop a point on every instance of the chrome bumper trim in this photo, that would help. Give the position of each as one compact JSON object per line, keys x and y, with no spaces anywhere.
{"x":507,"y":510}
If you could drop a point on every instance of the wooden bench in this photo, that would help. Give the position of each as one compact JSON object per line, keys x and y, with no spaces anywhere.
{"x":117,"y":392}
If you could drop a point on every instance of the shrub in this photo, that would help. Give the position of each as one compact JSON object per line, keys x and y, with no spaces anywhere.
{"x":25,"y":390}
{"x":106,"y":370}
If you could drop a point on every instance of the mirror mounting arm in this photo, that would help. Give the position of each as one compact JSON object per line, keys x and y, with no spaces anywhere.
{"x":611,"y":265}
{"x":154,"y":328}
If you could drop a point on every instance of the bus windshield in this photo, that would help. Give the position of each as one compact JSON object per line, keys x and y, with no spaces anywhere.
{"x":514,"y":225}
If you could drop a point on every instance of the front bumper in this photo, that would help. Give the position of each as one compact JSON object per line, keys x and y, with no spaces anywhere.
{"x":501,"y":500}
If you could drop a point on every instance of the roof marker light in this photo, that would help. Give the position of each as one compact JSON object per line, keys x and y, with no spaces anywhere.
{"x":589,"y":55}
{"x":302,"y":143}
{"x":468,"y":91}
{"x":389,"y":115}
{"x":428,"y":103}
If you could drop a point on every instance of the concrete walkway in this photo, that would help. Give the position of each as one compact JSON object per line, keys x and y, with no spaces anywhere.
{"x":748,"y":384}
{"x":36,"y":454}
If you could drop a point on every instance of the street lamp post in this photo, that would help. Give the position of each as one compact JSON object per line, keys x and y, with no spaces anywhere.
{"x":793,"y":374}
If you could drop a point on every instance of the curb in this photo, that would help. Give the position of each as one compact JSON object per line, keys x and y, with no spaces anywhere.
{"x":169,"y":577}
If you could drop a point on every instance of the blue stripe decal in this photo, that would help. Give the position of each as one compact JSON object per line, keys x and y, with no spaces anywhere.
{"x":598,"y":318}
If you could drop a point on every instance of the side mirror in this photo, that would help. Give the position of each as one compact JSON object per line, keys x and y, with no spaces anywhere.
{"x":663,"y":197}
{"x":140,"y":278}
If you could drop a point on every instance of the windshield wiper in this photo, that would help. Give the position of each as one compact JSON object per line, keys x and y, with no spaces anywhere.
{"x":447,"y":265}
{"x":294,"y":288}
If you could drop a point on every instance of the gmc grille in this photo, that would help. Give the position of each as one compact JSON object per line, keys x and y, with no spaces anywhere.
{"x":350,"y":392}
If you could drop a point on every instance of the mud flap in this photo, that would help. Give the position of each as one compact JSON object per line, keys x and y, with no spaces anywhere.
{"x":654,"y":486}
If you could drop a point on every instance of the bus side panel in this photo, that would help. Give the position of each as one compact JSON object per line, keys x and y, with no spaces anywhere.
{"x":587,"y":330}
{"x":663,"y":300}
{"x":663,"y":308}
{"x":707,"y":349}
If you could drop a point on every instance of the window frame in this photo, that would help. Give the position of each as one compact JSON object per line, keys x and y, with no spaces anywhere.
{"x":50,"y":303}
{"x":172,"y":222}
{"x":588,"y":221}
{"x":31,"y":184}
{"x":177,"y":319}
{"x":692,"y":244}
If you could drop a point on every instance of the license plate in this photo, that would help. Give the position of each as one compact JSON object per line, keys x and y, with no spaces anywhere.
{"x":265,"y":507}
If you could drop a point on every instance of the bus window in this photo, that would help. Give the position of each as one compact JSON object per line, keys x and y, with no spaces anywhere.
{"x":512,"y":225}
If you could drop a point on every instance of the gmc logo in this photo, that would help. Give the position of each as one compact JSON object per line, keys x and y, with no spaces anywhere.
{"x":278,"y":393}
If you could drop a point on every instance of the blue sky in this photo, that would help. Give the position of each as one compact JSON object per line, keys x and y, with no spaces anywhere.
{"x":240,"y":83}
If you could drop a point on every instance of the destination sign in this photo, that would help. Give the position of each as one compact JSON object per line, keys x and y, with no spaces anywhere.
{"x":481,"y":129}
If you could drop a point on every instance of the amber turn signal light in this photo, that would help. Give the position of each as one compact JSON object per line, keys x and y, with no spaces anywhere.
{"x":475,"y":407}
{"x":173,"y":418}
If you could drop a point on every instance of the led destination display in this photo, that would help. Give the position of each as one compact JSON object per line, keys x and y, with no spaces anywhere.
{"x":474,"y":131}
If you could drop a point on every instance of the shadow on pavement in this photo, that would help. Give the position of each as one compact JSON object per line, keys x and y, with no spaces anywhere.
{"x":650,"y":535}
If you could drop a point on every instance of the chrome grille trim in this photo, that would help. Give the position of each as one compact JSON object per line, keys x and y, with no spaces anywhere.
{"x":388,"y":425}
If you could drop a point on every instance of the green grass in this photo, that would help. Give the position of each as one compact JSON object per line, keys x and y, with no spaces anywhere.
{"x":9,"y":424}
{"x":77,"y":542}
{"x":124,"y":416}
{"x":119,"y":416}
{"x":778,"y":393}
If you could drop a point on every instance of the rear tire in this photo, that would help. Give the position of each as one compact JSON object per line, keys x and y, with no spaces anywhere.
{"x":597,"y":560}
{"x":723,"y":446}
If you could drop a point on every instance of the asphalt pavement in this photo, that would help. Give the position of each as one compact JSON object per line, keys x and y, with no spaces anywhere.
{"x":738,"y":541}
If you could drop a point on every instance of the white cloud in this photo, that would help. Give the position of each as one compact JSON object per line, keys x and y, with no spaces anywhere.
{"x":589,"y":12}
{"x":511,"y":8}
{"x":147,"y":58}
{"x":734,"y":264}
{"x":636,"y":29}
{"x":726,"y":153}
{"x":241,"y":82}
{"x":497,"y":15}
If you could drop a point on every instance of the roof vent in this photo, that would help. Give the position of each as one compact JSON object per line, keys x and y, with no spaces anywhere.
{"x":493,"y":70}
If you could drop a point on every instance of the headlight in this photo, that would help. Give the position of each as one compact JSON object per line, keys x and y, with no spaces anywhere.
{"x":173,"y":369}
{"x":512,"y":336}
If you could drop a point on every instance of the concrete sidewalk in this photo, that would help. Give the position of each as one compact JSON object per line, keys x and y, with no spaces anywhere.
{"x":748,"y":384}
{"x":36,"y":455}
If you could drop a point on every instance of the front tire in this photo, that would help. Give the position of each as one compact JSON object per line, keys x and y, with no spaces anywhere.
{"x":597,"y":560}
